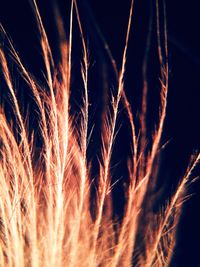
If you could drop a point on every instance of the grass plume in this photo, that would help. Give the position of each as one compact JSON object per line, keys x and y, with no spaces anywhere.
{"x":46,"y":216}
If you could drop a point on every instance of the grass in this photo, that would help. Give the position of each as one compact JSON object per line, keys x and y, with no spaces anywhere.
{"x":46,"y":215}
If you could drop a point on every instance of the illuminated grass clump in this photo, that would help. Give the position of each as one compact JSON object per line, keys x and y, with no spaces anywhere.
{"x":46,"y":216}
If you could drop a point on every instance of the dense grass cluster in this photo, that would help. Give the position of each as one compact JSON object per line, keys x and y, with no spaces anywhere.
{"x":46,"y":216}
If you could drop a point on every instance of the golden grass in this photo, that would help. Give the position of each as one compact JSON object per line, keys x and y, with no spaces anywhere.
{"x":45,"y":209}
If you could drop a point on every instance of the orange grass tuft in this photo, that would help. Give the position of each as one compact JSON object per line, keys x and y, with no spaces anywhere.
{"x":45,"y":195}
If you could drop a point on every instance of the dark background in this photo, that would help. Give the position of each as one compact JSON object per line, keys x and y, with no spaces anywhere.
{"x":182,"y":123}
